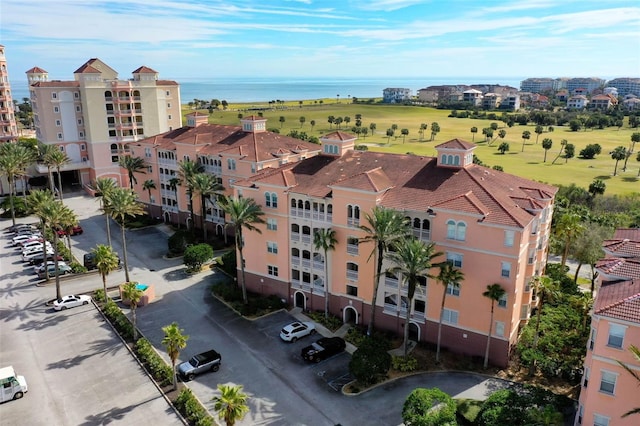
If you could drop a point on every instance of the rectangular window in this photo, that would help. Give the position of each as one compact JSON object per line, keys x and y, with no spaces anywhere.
{"x":506,"y":269}
{"x":169,"y":106}
{"x":272,"y":247}
{"x":81,"y":135}
{"x":585,"y":378}
{"x":592,"y":339}
{"x":58,"y":123}
{"x":453,"y":290}
{"x":231,"y":164}
{"x":508,"y":238}
{"x":455,"y":259}
{"x":79,"y":121}
{"x":599,"y":420}
{"x":78,"y":108}
{"x":272,"y":224}
{"x":499,"y":328}
{"x":352,"y":290}
{"x":54,"y":95}
{"x":60,"y":136}
{"x":450,"y":316}
{"x":272,"y":270}
{"x":76,"y":95}
{"x":147,"y":152}
{"x":616,"y":336}
{"x":608,"y":382}
{"x":168,"y":93}
{"x":169,"y":116}
{"x":56,"y":109}
{"x":502,"y":302}
{"x":83,"y":147}
{"x":524,"y":312}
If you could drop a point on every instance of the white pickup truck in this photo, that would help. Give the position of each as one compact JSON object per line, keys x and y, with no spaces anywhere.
{"x":13,"y":386}
{"x":206,"y":361}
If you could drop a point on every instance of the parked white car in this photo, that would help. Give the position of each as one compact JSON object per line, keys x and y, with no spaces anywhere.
{"x":22,"y":238}
{"x":31,"y":245}
{"x":295,"y":330}
{"x":51,"y":263}
{"x":26,"y":257}
{"x":71,"y":301}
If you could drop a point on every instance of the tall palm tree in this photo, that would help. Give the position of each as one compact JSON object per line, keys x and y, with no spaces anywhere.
{"x":57,"y":215}
{"x":175,"y":342}
{"x":449,"y":275}
{"x":120,"y":203}
{"x":325,"y":239}
{"x":386,"y":228}
{"x":545,"y":289}
{"x":36,"y":200}
{"x":174,"y":183}
{"x":413,"y":259}
{"x":494,"y":293}
{"x":104,"y":186}
{"x":635,"y":351}
{"x":568,"y":228}
{"x":14,"y":159}
{"x":133,"y":294}
{"x":231,"y":405}
{"x":55,"y":159}
{"x":46,"y":152}
{"x":133,"y":165}
{"x":206,"y":185}
{"x":243,"y":213}
{"x":148,"y":185}
{"x":106,"y":261}
{"x":187,"y":169}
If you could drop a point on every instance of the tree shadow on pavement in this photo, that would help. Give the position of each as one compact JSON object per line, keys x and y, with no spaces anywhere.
{"x":12,"y":290}
{"x":115,"y":413}
{"x":17,"y":312}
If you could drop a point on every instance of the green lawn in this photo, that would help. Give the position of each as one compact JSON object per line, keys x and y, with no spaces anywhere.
{"x":528,"y":163}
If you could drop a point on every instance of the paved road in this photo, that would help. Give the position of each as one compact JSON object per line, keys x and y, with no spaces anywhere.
{"x":283,"y":389}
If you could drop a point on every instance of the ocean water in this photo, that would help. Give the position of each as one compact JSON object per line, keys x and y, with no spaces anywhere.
{"x":246,"y":89}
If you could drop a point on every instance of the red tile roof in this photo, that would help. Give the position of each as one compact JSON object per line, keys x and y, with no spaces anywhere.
{"x":627,"y":233}
{"x":622,"y":247}
{"x":619,"y":267}
{"x":87,"y":68}
{"x":619,"y":300}
{"x":36,"y":70}
{"x":339,"y":136}
{"x":456,"y":144}
{"x":417,"y":183}
{"x":56,"y":83}
{"x":144,"y":70}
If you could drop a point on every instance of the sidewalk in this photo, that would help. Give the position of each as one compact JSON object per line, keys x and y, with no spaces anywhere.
{"x":341,"y":332}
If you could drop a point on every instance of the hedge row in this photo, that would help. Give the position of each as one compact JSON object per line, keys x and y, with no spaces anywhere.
{"x":118,"y":319}
{"x":191,"y":409}
{"x":159,"y":369}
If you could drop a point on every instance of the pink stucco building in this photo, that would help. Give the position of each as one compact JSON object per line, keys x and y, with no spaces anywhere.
{"x":95,"y":115}
{"x":492,"y":225}
{"x":608,"y":390}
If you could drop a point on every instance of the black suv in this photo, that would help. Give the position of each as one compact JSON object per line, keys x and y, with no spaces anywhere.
{"x":323,"y":349}
{"x":90,"y":261}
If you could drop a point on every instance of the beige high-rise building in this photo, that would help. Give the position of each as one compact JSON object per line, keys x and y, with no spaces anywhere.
{"x":8,"y":128}
{"x":94,"y":116}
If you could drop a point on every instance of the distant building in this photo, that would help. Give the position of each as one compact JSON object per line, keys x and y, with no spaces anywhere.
{"x":8,"y":127}
{"x":537,"y":85}
{"x":92,"y":117}
{"x":626,"y":85}
{"x":608,"y":390}
{"x":610,"y":91}
{"x":491,"y":101}
{"x":589,"y":84}
{"x":473,"y":96}
{"x":577,"y":102}
{"x":631,"y":103}
{"x":511,"y":103}
{"x":602,"y":102}
{"x":394,"y":95}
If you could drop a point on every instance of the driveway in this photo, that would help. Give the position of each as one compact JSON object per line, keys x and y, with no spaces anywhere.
{"x":283,"y":389}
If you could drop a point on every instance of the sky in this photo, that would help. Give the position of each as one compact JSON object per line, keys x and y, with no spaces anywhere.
{"x":325,"y":38}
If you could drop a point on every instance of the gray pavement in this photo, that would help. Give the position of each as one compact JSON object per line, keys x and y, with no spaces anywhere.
{"x":283,"y":389}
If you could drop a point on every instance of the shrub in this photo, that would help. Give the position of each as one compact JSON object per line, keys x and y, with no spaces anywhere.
{"x":196,"y":256}
{"x":228,"y":291}
{"x":118,"y":319}
{"x":332,"y":323}
{"x":189,"y":406}
{"x":429,"y":407}
{"x":370,"y":361}
{"x":179,"y":241}
{"x":403,"y":364}
{"x":361,"y":148}
{"x":229,"y":263}
{"x":19,"y":206}
{"x":77,"y":268}
{"x":155,"y":365}
{"x":99,"y":296}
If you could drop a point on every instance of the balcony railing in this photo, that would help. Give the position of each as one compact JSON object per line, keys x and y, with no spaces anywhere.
{"x":76,"y":165}
{"x":318,"y":264}
{"x":321,"y":217}
{"x":295,"y":236}
{"x":352,"y":221}
{"x":306,"y":263}
{"x":391,"y":282}
{"x":295,"y":260}
{"x":352,"y":275}
{"x":352,"y":248}
{"x":318,"y":284}
{"x":422,"y":234}
{"x":306,"y":238}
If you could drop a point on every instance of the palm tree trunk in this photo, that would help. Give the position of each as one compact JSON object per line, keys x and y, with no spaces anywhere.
{"x":11,"y":192}
{"x":51,"y":184}
{"x":326,"y":285}
{"x":104,"y":286}
{"x":239,"y":245}
{"x":135,"y":329}
{"x":486,"y":351}
{"x":55,"y":261}
{"x":124,"y":253}
{"x":175,"y":378}
{"x":108,"y":230}
{"x":204,"y":212}
{"x":375,"y":292}
{"x":575,"y":277}
{"x":406,"y":328}
{"x":59,"y":185}
{"x":532,"y":367}
{"x":440,"y":325}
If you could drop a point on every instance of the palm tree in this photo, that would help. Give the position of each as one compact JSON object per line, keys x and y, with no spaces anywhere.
{"x":133,"y":165}
{"x":413,"y":259}
{"x":547,"y":143}
{"x":14,"y":159}
{"x":231,"y":405}
{"x":106,"y":261}
{"x":568,"y":228}
{"x":619,"y":153}
{"x":474,"y":130}
{"x":386,"y":228}
{"x":526,"y":135}
{"x":57,"y":215}
{"x":133,"y":294}
{"x":545,"y":288}
{"x":449,"y":276}
{"x":46,"y":152}
{"x":104,"y":186}
{"x":243,"y":213}
{"x":187,"y":169}
{"x":148,"y":185}
{"x":174,"y":341}
{"x":120,"y":203}
{"x":494,"y":293}
{"x":325,"y":239}
{"x":206,"y":185}
{"x":36,"y":200}
{"x":174,"y":183}
{"x":57,"y":159}
{"x":635,"y":351}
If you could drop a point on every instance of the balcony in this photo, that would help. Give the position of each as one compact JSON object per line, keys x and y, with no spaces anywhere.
{"x":295,"y":260}
{"x":306,"y":263}
{"x":120,"y":151}
{"x":318,"y":264}
{"x":295,"y":236}
{"x":77,"y":165}
{"x":391,"y":282}
{"x":322,"y":217}
{"x":167,"y":162}
{"x":422,"y":234}
{"x":352,"y":275}
{"x":318,"y":284}
{"x":353,"y":222}
{"x":352,"y":249}
{"x":306,"y":238}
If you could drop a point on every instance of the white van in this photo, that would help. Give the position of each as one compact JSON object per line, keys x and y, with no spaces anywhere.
{"x":13,"y":387}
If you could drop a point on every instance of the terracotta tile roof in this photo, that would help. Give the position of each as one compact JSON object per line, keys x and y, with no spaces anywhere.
{"x":456,"y":144}
{"x":372,"y":181}
{"x":416,"y":183}
{"x":338,"y":135}
{"x":166,"y":83}
{"x":56,"y":83}
{"x":36,"y":70}
{"x":627,"y":233}
{"x":144,"y":70}
{"x":619,"y":268}
{"x":88,"y":69}
{"x":214,"y":139}
{"x":620,"y":299}
{"x":621,"y":248}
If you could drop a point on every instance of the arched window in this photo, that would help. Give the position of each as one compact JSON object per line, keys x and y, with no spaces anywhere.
{"x":295,"y":228}
{"x":293,"y":203}
{"x":267,"y":196}
{"x":461,"y":232}
{"x":451,"y":229}
{"x":456,"y":160}
{"x":443,"y":160}
{"x":295,"y":252}
{"x":456,"y":230}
